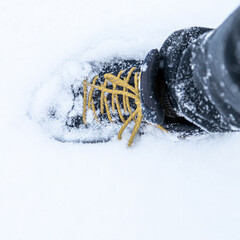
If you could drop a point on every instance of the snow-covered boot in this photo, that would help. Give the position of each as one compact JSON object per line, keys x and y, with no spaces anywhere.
{"x":191,"y":85}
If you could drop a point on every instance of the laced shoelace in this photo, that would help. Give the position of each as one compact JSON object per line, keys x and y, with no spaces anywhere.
{"x":127,"y":92}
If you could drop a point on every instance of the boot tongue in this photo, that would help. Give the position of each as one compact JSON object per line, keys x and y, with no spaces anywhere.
{"x":151,"y":108}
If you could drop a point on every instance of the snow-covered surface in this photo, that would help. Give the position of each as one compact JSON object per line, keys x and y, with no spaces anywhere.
{"x":161,"y":188}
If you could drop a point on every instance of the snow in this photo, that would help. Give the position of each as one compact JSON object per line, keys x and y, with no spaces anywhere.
{"x":161,"y":188}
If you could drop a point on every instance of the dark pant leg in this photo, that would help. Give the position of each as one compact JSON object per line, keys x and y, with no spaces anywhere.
{"x":202,"y":73}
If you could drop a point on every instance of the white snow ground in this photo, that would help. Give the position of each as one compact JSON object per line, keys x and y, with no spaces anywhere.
{"x":158,"y":189}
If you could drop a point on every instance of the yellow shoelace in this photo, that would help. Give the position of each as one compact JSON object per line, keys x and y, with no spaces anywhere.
{"x":127,"y":92}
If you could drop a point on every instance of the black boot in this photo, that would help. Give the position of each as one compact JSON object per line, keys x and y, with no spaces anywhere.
{"x":201,"y":68}
{"x":190,"y":86}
